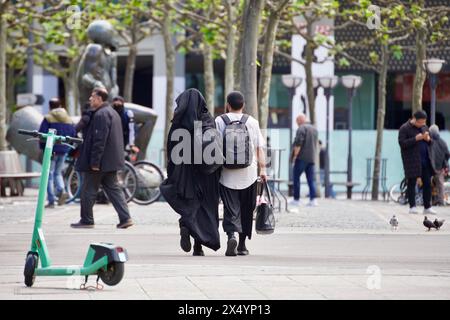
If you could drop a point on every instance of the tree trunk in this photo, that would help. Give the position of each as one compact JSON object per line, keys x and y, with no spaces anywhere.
{"x":420,"y":77}
{"x":2,"y":83}
{"x":238,"y":55}
{"x":248,"y":69}
{"x":309,"y":58}
{"x":10,"y":93}
{"x":231,"y":49}
{"x":380,"y":120}
{"x":170,"y":74}
{"x":71,"y":92}
{"x":129,"y":73}
{"x":208,"y":74}
{"x":266,"y":68}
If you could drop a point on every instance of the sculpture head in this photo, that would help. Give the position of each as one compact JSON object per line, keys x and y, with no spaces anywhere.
{"x":102,"y":32}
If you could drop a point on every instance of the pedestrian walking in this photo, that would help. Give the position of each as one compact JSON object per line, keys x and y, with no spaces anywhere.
{"x":244,"y":154}
{"x":439,"y":155}
{"x":127,"y":117}
{"x":414,"y":140}
{"x":57,"y":119}
{"x":303,"y":157}
{"x":101,"y":156}
{"x":192,"y":189}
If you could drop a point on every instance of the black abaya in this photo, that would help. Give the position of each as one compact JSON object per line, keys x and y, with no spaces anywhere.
{"x":192,"y":193}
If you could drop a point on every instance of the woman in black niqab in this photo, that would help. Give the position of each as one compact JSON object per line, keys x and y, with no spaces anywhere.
{"x":191,"y":192}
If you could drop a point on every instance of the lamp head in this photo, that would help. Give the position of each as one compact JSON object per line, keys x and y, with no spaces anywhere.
{"x":433,"y":65}
{"x":291,"y":81}
{"x":351,"y":81}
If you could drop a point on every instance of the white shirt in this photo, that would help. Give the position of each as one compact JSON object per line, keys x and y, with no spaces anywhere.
{"x":242,"y":178}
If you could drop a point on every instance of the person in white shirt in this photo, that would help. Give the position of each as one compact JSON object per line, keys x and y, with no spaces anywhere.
{"x":238,"y":186}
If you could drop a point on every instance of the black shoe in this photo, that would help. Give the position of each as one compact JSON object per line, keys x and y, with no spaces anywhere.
{"x":125,"y":224}
{"x":198,"y":252}
{"x":242,"y":251}
{"x":80,"y":225}
{"x":185,"y":241}
{"x":50,"y":206}
{"x":231,"y":247}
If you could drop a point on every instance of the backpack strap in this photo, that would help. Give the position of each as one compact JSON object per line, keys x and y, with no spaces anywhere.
{"x":244,"y":118}
{"x":225,"y":119}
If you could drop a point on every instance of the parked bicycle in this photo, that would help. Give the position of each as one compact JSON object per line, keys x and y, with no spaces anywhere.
{"x":398,"y":194}
{"x":149,"y":178}
{"x":127,"y":177}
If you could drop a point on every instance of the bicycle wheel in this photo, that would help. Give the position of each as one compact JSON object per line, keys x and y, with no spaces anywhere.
{"x":150,"y":178}
{"x":73,"y":185}
{"x":395,"y":192}
{"x":128,"y":181}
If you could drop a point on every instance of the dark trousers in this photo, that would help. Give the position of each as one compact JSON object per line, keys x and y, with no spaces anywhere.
{"x":89,"y":188}
{"x":426,"y":187}
{"x":238,"y":206}
{"x":308,"y":168}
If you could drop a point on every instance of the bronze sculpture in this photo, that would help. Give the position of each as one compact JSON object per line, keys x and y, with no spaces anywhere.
{"x":98,"y":65}
{"x":97,"y":68}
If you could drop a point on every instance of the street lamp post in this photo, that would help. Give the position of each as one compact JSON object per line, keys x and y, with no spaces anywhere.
{"x":433,"y":66}
{"x":351,"y":82}
{"x":328,"y":83}
{"x":292,"y":83}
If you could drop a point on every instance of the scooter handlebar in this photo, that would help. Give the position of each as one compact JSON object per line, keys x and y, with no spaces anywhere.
{"x":33,"y":133}
{"x":74,"y":140}
{"x":36,"y":133}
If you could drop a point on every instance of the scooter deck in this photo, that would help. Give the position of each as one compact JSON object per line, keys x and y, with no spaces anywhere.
{"x":73,"y":270}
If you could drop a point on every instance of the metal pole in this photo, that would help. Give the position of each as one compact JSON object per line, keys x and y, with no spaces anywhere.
{"x":30,"y":71}
{"x":292,"y":94}
{"x":327,"y":146}
{"x":433,"y":86}
{"x":351,"y":93}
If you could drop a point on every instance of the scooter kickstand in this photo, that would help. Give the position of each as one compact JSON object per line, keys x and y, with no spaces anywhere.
{"x":99,"y":285}
{"x":83,"y":285}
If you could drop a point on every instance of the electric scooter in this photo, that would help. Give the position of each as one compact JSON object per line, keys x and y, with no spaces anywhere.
{"x":103,"y":259}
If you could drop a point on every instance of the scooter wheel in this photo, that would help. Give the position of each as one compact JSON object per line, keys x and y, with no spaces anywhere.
{"x":113,"y":274}
{"x":30,"y":268}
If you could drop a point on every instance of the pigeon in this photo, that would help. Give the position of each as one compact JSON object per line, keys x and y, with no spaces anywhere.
{"x":438,"y":224}
{"x":428,"y":224}
{"x":394,"y":222}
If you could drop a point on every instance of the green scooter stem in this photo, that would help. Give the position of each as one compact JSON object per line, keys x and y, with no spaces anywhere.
{"x":38,"y":243}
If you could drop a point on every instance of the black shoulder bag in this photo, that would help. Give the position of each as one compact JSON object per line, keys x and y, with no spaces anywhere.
{"x":265,"y":219}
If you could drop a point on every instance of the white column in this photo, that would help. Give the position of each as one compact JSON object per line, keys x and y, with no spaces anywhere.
{"x":319,"y":70}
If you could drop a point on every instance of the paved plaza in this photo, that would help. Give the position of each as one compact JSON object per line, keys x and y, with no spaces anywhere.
{"x":339,"y":250}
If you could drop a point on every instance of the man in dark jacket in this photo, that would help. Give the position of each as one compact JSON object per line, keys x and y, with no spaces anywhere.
{"x":414,"y":139}
{"x":101,"y":156}
{"x":59,"y":120}
{"x":304,"y":151}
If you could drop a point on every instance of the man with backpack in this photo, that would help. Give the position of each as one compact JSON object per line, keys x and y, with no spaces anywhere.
{"x":243,"y":150}
{"x":127,"y":117}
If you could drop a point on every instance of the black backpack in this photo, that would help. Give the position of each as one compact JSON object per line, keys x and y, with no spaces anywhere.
{"x":236,"y":143}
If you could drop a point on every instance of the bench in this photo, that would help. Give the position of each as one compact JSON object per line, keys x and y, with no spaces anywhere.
{"x":14,"y":182}
{"x":12,"y":174}
{"x":349,"y":186}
